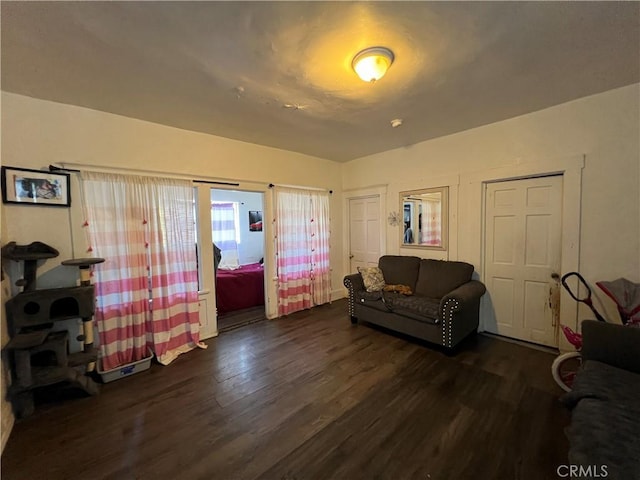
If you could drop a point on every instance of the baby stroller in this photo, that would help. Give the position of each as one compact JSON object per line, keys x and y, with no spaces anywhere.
{"x":623,"y":292}
{"x":626,"y":295}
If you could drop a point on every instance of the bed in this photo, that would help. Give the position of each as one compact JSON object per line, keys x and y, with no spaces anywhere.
{"x":240,"y":288}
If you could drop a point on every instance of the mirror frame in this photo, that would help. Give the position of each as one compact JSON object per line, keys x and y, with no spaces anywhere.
{"x":444,"y":212}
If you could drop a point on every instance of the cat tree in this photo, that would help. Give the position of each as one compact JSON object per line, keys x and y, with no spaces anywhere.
{"x":41,"y":356}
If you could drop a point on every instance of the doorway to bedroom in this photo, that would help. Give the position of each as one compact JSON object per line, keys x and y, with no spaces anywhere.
{"x":238,"y":256}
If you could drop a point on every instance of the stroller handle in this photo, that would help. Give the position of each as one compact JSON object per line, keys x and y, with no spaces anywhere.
{"x":587,"y":300}
{"x":582,"y":281}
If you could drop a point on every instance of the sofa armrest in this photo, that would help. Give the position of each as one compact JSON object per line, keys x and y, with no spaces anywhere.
{"x":459,"y":312}
{"x":467,"y":293}
{"x":616,"y":345}
{"x":354,"y":283}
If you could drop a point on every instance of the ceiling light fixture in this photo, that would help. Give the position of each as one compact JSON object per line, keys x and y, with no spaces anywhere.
{"x":372,"y":63}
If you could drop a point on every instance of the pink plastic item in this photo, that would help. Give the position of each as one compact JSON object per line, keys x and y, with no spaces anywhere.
{"x":573,"y":338}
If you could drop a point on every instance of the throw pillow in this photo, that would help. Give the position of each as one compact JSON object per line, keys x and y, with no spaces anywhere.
{"x":372,"y":278}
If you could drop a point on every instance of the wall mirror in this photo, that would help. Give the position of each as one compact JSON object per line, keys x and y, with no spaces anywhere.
{"x":425,"y":217}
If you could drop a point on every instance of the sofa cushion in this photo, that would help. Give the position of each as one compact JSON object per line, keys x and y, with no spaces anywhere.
{"x":605,"y":419}
{"x":372,"y":278}
{"x":400,"y":270}
{"x":437,"y":278}
{"x":362,"y":296}
{"x":605,"y":382}
{"x":371,"y":300}
{"x":417,"y":307}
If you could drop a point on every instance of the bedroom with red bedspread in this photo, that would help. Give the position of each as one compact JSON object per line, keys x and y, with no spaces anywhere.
{"x":240,"y":288}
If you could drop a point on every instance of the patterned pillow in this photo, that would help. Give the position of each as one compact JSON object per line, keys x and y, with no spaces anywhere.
{"x":372,"y":278}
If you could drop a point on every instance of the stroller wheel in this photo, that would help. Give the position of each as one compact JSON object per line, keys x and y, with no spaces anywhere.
{"x":564,"y":369}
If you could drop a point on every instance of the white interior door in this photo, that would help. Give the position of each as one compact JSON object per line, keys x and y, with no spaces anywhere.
{"x":364,"y":232}
{"x":522,"y":250}
{"x":206,"y":293}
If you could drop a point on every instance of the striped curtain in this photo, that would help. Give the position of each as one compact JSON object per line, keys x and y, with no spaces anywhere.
{"x":175,"y":322}
{"x":320,"y":236}
{"x":146,"y":290}
{"x":431,"y":222}
{"x":302,"y":249}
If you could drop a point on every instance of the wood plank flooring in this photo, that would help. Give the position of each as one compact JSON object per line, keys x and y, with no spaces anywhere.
{"x":240,"y":318}
{"x":308,"y":397}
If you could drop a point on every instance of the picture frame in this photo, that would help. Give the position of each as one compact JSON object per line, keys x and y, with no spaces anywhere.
{"x":255,"y":221}
{"x":24,"y":186}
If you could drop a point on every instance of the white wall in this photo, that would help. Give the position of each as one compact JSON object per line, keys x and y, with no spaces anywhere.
{"x":604,"y":127}
{"x":251,"y":246}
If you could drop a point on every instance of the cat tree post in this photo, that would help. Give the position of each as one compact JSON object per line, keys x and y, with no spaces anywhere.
{"x":84,"y":265}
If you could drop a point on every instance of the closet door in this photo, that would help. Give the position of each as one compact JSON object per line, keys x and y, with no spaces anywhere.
{"x":523,"y":226}
{"x":364,"y":232}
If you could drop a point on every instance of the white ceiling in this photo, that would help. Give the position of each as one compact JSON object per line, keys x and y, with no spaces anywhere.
{"x":228,"y":68}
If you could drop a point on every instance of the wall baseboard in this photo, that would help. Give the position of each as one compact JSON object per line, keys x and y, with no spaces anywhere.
{"x":338,"y":294}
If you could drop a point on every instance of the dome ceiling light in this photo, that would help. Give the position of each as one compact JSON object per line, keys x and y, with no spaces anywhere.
{"x":372,"y":63}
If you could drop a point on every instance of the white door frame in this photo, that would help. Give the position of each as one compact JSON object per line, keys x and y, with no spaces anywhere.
{"x":207,"y":289}
{"x":571,"y":170}
{"x":348,"y":195}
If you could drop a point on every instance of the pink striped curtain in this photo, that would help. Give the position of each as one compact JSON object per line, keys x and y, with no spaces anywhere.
{"x":431,"y":222}
{"x":144,"y":228}
{"x":302,"y":249}
{"x":320,"y":236}
{"x":175,"y":323}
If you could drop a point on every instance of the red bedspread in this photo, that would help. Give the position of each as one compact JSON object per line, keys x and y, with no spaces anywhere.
{"x":241,"y":288}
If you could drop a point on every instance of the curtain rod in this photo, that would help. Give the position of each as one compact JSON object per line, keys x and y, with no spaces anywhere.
{"x":210,"y":182}
{"x":271,"y":185}
{"x":54,"y":168}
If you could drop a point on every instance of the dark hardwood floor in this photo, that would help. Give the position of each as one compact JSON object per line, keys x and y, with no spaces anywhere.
{"x":240,"y":318}
{"x":308,"y":397}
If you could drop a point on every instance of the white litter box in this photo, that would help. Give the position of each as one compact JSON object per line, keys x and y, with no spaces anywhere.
{"x":125,"y":370}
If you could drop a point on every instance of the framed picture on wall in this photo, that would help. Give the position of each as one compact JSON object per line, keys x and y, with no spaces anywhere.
{"x":255,"y":221}
{"x":35,"y":187}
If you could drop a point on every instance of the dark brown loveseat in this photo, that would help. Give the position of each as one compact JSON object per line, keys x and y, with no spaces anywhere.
{"x":443,"y":310}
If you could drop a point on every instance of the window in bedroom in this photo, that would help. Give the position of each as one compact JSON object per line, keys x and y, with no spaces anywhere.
{"x":225,"y":230}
